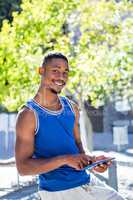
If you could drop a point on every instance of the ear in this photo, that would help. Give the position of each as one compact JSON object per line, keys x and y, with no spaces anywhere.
{"x":40,"y":70}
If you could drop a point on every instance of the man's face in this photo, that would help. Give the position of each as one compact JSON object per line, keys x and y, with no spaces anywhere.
{"x":56,"y":74}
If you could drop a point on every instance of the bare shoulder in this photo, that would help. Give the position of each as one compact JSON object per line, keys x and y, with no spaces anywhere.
{"x":75,"y":107}
{"x":25,"y":114}
{"x":25,"y":120}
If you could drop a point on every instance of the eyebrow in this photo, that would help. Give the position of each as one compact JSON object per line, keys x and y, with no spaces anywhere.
{"x":57,"y":66}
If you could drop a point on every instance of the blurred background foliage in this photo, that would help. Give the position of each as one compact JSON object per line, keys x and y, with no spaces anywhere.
{"x":7,"y":7}
{"x":97,"y":37}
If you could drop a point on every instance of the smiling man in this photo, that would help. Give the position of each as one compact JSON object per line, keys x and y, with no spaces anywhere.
{"x":48,"y":141}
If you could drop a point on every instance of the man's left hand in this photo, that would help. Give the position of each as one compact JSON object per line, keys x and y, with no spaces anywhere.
{"x":101,"y":167}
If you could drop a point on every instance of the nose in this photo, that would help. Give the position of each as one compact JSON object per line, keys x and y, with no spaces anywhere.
{"x":62,"y":77}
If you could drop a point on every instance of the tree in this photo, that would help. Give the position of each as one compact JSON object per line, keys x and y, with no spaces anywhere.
{"x":103,"y":51}
{"x":39,"y":28}
{"x":100,"y":58}
{"x":7,"y":7}
{"x":95,"y":35}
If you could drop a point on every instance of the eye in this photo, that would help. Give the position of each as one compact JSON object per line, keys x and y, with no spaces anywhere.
{"x":65,"y":73}
{"x":55,"y":71}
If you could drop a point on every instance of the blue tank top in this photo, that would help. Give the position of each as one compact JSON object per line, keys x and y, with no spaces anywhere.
{"x":53,"y":137}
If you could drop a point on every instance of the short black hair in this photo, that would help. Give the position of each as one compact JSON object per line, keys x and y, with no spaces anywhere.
{"x":50,"y":56}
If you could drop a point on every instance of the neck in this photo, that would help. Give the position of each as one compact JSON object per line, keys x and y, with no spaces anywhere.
{"x":46,"y":97}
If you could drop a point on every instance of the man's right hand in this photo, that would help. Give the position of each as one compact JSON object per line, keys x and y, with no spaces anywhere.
{"x":78,"y":161}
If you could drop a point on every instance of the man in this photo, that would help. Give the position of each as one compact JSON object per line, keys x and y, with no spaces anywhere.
{"x":48,"y":141}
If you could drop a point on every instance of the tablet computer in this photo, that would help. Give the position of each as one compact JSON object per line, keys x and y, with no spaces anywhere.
{"x":94,"y":164}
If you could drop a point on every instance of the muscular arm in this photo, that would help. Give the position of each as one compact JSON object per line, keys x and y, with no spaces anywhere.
{"x":76,"y":128}
{"x":24,"y":149}
{"x":26,"y":165}
{"x":99,"y":169}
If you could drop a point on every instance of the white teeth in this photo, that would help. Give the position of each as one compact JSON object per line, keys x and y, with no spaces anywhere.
{"x":57,"y":83}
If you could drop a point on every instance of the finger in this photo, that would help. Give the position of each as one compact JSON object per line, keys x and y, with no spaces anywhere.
{"x":109,"y":163}
{"x":101,"y":166}
{"x":84,"y":158}
{"x":91,"y":158}
{"x":104,"y":167}
{"x":101,"y":157}
{"x":85,"y":162}
{"x":81,"y":166}
{"x":100,"y":169}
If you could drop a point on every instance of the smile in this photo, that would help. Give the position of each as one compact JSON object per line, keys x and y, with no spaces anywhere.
{"x":59,"y":83}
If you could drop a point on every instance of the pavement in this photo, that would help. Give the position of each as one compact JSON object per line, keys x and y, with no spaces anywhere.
{"x":24,"y":193}
{"x":103,"y":144}
{"x":124,"y":170}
